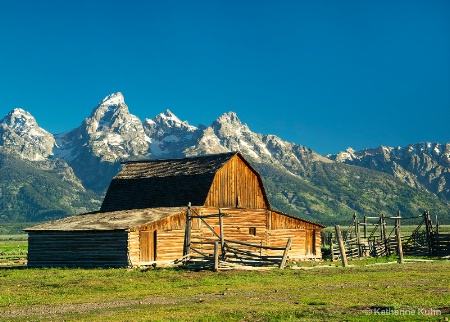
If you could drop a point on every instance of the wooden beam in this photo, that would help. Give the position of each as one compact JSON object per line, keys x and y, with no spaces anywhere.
{"x":187,"y":233}
{"x":216,"y":256}
{"x":288,"y":246}
{"x":222,"y":240}
{"x":341,"y":246}
{"x":399,"y":239}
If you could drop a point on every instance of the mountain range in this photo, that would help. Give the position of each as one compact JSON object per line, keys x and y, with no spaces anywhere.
{"x":45,"y":176}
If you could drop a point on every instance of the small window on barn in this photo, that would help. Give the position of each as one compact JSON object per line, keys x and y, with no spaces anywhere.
{"x":252,"y":231}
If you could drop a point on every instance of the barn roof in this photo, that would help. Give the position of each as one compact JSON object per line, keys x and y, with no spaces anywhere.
{"x":115,"y":220}
{"x":166,"y":182}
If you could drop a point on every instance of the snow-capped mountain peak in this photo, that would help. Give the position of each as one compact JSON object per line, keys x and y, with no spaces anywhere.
{"x":19,"y":119}
{"x":170,"y":120}
{"x":114,"y":99}
{"x":20,"y":134}
{"x":168,"y":136}
{"x":229,"y":118}
{"x":109,"y":134}
{"x":111,"y":112}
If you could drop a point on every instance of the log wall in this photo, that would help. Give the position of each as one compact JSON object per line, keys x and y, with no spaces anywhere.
{"x":77,"y":249}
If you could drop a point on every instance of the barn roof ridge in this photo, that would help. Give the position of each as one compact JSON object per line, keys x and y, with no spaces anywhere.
{"x":212,"y":155}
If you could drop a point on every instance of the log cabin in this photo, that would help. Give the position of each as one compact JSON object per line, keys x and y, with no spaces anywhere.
{"x":150,"y":205}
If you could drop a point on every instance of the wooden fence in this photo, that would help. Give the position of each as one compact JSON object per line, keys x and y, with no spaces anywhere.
{"x":424,"y":240}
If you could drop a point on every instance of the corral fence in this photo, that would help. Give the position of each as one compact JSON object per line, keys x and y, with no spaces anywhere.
{"x":371,"y":238}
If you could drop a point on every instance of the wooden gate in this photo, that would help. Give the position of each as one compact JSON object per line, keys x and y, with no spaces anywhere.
{"x":148,"y":243}
{"x":310,"y":242}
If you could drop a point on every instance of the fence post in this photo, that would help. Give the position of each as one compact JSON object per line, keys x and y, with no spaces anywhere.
{"x":399,"y":239}
{"x":365,"y":227}
{"x":288,"y":246}
{"x":341,"y":246}
{"x":187,"y":232}
{"x":358,"y":237}
{"x":222,"y":238}
{"x":332,"y":250}
{"x":429,"y":231}
{"x":383,"y":234}
{"x":437,"y":226}
{"x":216,"y":256}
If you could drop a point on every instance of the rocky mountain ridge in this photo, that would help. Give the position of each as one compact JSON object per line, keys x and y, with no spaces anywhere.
{"x":298,"y":180}
{"x":422,"y":164}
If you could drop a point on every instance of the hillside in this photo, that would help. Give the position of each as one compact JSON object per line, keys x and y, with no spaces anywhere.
{"x":331,"y":192}
{"x":29,"y":192}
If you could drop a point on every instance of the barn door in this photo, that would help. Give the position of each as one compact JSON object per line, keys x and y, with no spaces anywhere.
{"x":148,"y":242}
{"x":310,"y":242}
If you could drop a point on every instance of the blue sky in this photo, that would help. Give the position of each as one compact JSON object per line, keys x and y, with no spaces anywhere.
{"x":324,"y":74}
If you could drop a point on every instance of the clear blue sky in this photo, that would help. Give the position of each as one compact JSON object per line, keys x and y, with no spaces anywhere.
{"x":324,"y":74}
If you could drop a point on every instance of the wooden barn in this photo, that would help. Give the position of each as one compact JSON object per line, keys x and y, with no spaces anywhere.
{"x":158,"y":211}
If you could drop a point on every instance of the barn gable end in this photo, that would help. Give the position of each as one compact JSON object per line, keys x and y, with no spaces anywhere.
{"x":238,"y":185}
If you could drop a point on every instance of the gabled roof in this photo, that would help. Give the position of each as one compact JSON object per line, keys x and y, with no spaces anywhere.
{"x":115,"y":220}
{"x":164,"y":183}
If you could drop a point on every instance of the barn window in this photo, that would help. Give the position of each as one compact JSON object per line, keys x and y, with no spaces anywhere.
{"x":252,"y":231}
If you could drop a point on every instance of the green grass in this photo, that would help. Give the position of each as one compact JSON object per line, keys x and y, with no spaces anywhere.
{"x":358,"y":293}
{"x":13,"y":243}
{"x":13,"y":249}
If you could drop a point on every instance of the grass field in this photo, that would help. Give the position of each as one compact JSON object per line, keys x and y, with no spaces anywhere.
{"x":371,"y":290}
{"x":376,"y":289}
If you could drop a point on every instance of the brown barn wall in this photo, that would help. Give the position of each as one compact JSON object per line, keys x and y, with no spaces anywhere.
{"x":170,"y":245}
{"x":245,"y":225}
{"x":236,"y":185}
{"x":236,"y":224}
{"x":134,"y":248}
{"x":170,"y":239}
{"x":280,"y":221}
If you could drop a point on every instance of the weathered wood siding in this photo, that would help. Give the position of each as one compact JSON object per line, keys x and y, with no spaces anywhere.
{"x":169,"y":239}
{"x":170,"y":244}
{"x":278,"y":220}
{"x":77,"y":249}
{"x":254,"y":226}
{"x":238,"y":224}
{"x":306,"y":238}
{"x":263,"y":227}
{"x":236,"y":185}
